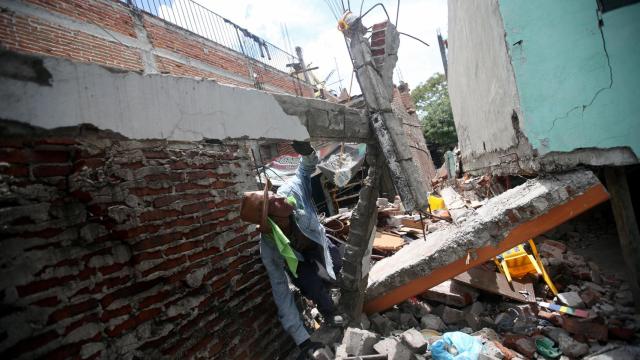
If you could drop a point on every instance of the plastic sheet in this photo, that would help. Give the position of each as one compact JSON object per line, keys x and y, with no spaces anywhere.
{"x":456,"y":346}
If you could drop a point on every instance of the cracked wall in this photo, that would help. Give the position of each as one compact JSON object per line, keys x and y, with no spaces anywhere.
{"x":575,"y":76}
{"x":50,"y":92}
{"x":118,"y":248}
{"x":578,"y":81}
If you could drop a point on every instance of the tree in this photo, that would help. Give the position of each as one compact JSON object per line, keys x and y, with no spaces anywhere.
{"x":434,"y":109}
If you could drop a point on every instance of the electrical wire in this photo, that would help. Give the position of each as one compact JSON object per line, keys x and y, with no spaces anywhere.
{"x":373,"y":7}
{"x":397,"y":13}
{"x":413,"y":37}
{"x":361,"y":6}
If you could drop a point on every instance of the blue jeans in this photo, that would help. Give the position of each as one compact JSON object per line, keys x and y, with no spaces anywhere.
{"x":309,"y":281}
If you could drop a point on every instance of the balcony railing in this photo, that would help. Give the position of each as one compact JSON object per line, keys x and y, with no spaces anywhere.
{"x":194,"y":17}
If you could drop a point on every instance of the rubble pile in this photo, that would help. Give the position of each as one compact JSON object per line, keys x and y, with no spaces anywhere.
{"x":482,"y":314}
{"x":498,"y":327}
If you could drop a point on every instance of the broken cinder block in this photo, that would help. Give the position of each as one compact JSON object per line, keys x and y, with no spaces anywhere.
{"x":394,"y":349}
{"x":451,"y":293}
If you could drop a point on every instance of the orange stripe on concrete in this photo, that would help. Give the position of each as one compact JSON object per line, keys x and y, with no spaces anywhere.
{"x":543,"y":223}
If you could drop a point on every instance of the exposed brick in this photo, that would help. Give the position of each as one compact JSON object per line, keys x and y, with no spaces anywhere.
{"x":80,"y":170}
{"x":110,"y":314}
{"x":41,"y":285}
{"x":52,"y":170}
{"x":29,"y":344}
{"x":154,"y":215}
{"x":133,"y":322}
{"x":166,"y":265}
{"x":73,"y":310}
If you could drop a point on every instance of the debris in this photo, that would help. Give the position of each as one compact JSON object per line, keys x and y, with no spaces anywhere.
{"x":414,"y":340}
{"x":590,"y":329}
{"x":456,"y":345}
{"x":408,"y":321}
{"x":497,"y":226}
{"x":565,"y":309}
{"x":359,"y":342}
{"x":490,"y":352}
{"x":323,"y":354}
{"x":393,"y":348}
{"x":387,"y":242}
{"x":546,"y":347}
{"x":433,"y":322}
{"x":522,"y":344}
{"x":567,"y":344}
{"x":497,"y":283}
{"x":571,"y":299}
{"x":449,"y":315}
{"x":455,"y":204}
{"x":616,"y":352}
{"x":451,"y":293}
{"x":381,"y":324}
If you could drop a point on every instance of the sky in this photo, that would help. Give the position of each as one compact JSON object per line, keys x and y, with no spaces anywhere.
{"x":312,"y":25}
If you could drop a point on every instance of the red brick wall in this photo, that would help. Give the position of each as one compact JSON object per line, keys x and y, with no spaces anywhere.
{"x":34,"y":35}
{"x":115,"y":247}
{"x":103,"y":13}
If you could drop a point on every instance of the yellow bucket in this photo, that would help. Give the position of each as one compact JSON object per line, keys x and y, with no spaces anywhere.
{"x":436,"y":203}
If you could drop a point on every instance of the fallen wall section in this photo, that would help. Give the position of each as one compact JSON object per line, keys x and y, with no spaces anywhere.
{"x":50,"y":92}
{"x":503,"y":222}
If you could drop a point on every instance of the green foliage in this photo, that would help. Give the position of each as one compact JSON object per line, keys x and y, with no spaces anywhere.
{"x":434,"y":109}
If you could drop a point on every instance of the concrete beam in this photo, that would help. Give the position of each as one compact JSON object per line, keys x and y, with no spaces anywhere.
{"x":50,"y":92}
{"x":504,"y":221}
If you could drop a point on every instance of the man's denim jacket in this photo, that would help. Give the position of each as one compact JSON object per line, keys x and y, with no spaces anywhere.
{"x":306,"y":218}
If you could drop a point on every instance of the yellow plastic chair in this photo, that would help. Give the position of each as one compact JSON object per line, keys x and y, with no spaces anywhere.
{"x":517,"y":263}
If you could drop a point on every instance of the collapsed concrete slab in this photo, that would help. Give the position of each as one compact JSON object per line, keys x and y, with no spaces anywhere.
{"x":49,"y":93}
{"x":504,"y":221}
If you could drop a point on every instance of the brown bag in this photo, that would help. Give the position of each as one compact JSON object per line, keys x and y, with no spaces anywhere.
{"x":255,"y":205}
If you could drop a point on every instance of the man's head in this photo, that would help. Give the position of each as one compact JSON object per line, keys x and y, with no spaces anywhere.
{"x":279,"y":210}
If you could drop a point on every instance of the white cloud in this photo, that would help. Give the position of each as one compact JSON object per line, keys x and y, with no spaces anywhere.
{"x":312,"y":26}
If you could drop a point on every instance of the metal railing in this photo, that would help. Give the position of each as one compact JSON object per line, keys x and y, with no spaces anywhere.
{"x":194,"y":17}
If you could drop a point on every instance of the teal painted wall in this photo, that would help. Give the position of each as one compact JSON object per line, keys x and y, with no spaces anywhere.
{"x":569,"y":97}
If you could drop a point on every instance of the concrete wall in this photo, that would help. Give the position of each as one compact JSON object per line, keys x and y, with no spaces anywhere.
{"x":482,"y":86}
{"x":110,"y":33}
{"x":578,"y":82}
{"x":572,"y":84}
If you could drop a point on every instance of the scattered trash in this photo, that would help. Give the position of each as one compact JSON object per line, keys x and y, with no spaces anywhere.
{"x":546,"y":347}
{"x":564,"y":309}
{"x":456,"y":346}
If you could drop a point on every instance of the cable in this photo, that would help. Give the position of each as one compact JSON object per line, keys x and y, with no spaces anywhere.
{"x":361,"y":5}
{"x":397,"y":13}
{"x":373,"y":7}
{"x":413,"y":37}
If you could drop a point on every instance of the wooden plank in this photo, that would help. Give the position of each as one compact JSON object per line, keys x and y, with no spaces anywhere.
{"x":627,"y":227}
{"x":387,"y":242}
{"x":497,"y":283}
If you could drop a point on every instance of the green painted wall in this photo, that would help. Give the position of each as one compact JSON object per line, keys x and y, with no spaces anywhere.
{"x":573,"y":96}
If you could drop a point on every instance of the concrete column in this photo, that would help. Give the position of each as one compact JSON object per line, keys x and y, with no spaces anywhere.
{"x":358,"y":252}
{"x":627,"y":226}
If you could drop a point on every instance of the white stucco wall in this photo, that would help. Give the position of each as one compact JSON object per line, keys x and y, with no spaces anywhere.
{"x":482,"y":84}
{"x":154,"y":106}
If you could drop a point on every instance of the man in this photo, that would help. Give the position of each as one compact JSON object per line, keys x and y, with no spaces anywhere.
{"x":293,"y":211}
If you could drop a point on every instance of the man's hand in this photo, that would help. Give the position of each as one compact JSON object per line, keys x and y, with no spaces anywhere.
{"x":302,"y":147}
